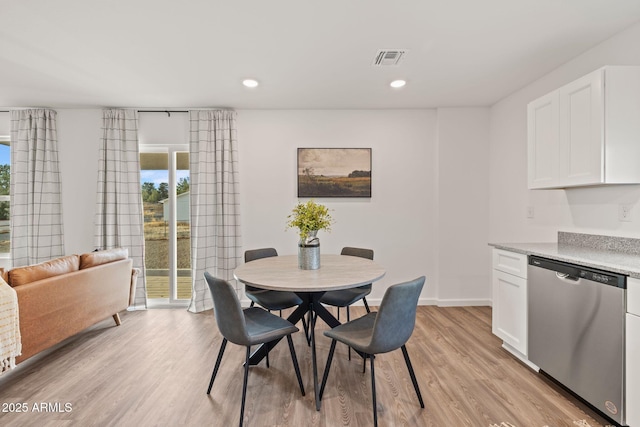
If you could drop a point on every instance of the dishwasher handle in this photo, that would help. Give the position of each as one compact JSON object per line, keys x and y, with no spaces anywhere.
{"x":567,"y":277}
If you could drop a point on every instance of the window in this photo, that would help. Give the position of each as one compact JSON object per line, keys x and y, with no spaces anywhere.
{"x":5,"y":181}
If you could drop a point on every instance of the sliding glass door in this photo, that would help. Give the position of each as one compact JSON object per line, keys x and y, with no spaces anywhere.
{"x":164,"y":177}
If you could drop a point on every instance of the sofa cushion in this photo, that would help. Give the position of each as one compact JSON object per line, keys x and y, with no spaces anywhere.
{"x":92,"y":259}
{"x":23,"y":275}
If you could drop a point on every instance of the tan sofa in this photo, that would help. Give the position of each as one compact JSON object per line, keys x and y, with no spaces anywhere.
{"x":59,"y":298}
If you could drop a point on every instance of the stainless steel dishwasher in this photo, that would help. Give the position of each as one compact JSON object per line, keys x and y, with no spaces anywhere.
{"x":576,"y":330}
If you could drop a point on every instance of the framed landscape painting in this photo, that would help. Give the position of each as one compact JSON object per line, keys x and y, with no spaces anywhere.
{"x":334,"y":172}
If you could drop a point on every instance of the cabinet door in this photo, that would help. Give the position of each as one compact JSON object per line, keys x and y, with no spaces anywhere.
{"x":510,"y":310}
{"x":542,"y":141}
{"x":582,"y":130}
{"x":633,"y":370}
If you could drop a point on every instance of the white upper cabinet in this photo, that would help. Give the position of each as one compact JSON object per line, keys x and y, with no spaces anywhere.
{"x":543,"y":133}
{"x":587,"y":132}
{"x":581,"y":124}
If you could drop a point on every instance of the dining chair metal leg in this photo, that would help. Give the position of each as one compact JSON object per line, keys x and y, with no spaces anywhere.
{"x":364,"y":364}
{"x":267,"y":357}
{"x":218,"y":360}
{"x":373,"y":391}
{"x":364,"y":300}
{"x":326,"y":369}
{"x":348,"y":320}
{"x":244,"y":384}
{"x":412,"y":374}
{"x":295,"y":363}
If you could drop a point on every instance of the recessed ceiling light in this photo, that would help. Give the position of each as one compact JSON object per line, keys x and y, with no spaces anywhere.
{"x":397,"y":83}
{"x":250,"y":82}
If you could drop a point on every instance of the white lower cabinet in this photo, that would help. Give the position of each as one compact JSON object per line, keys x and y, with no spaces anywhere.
{"x":633,"y":353}
{"x":509,"y":279}
{"x":633,"y":370}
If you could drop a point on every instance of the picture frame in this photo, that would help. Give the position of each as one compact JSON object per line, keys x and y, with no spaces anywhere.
{"x":334,"y":172}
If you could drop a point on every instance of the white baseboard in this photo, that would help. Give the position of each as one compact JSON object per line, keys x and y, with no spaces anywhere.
{"x":463,"y":302}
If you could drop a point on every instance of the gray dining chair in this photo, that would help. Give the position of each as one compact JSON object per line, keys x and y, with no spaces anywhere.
{"x":347,"y":297}
{"x":387,"y":330}
{"x":247,"y":327}
{"x":271,"y":300}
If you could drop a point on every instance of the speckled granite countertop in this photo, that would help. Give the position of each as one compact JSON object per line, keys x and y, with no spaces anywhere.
{"x":619,"y":255}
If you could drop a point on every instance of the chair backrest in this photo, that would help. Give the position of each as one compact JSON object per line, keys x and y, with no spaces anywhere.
{"x":362,"y":253}
{"x":254,"y":254}
{"x":227,"y":310}
{"x":396,"y":317}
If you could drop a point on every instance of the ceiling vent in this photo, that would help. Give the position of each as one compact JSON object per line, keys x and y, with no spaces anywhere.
{"x":385,"y":57}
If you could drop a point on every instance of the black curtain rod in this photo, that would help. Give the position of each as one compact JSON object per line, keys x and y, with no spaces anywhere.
{"x":5,"y":111}
{"x":168,"y":112}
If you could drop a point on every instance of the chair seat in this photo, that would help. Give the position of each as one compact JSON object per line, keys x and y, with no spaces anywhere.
{"x":263,"y":326}
{"x":356,"y":333}
{"x":274,"y":300}
{"x":346,"y":297}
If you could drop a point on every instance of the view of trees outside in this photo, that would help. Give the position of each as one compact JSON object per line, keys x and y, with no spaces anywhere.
{"x":153,"y":194}
{"x":5,"y":181}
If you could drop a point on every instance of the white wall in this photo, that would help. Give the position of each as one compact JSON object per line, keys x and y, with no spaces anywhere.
{"x":5,"y":124}
{"x":161,"y":128}
{"x":79,"y":133}
{"x":398,"y":221}
{"x":589,"y":210}
{"x":463,"y":206}
{"x":429,"y":172}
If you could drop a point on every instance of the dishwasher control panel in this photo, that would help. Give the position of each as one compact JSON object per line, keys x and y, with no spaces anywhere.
{"x":597,"y":277}
{"x":573,"y":271}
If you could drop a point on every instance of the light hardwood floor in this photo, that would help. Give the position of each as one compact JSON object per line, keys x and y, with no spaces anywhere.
{"x":153,"y":370}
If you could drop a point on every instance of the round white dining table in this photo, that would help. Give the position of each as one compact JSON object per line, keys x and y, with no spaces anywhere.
{"x":281,"y":273}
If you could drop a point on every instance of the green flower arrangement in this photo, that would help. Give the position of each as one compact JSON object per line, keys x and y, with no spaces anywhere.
{"x":308,"y":218}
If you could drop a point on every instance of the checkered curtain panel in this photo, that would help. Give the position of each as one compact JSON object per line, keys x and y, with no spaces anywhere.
{"x":215,"y":202}
{"x":119,"y":217}
{"x":36,"y":206}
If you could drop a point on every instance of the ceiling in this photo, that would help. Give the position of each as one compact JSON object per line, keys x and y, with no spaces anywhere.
{"x":305,"y":54}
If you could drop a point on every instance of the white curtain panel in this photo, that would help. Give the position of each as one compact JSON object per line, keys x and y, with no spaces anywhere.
{"x":119,"y":217}
{"x":215,"y":208}
{"x":37,"y":234}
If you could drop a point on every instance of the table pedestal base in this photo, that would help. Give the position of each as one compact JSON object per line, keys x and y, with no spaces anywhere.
{"x":311,"y":305}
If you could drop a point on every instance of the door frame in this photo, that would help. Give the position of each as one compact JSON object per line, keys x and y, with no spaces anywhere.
{"x":171,"y":150}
